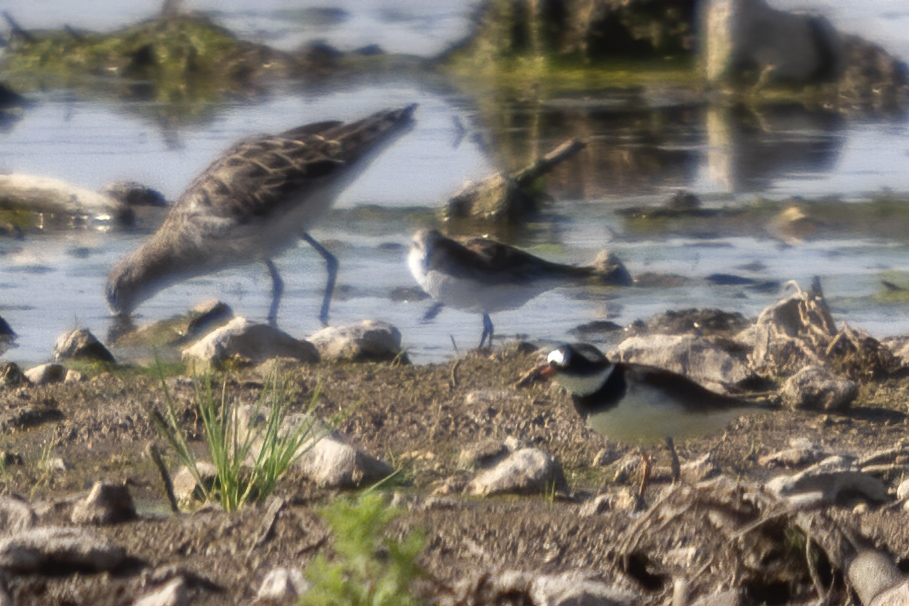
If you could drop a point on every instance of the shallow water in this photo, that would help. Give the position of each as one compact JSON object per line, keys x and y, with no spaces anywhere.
{"x":52,"y":280}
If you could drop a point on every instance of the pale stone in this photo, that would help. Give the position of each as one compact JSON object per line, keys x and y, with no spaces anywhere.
{"x":366,"y":340}
{"x":37,"y":548}
{"x":525,"y":471}
{"x":248,"y":341}
{"x":283,"y":585}
{"x":81,"y":344}
{"x":45,"y":374}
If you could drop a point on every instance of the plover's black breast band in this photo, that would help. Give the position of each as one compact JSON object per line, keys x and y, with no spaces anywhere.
{"x":606,"y":397}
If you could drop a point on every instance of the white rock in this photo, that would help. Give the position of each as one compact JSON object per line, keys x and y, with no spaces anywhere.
{"x":730,"y":597}
{"x":576,"y":589}
{"x":528,"y":470}
{"x":283,"y":585}
{"x":46,"y":374}
{"x":895,"y":596}
{"x":817,"y":388}
{"x":107,"y":503}
{"x":331,"y":463}
{"x":73,"y":377}
{"x":872,"y":573}
{"x":249,"y":341}
{"x":823,"y":484}
{"x":46,"y":194}
{"x":324,"y":458}
{"x":704,"y":359}
{"x":366,"y":340}
{"x":80,"y":344}
{"x":171,"y":594}
{"x":186,"y":489}
{"x":37,"y":548}
{"x":902,"y":491}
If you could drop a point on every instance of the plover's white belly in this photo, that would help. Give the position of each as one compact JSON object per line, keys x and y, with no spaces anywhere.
{"x":648,"y":416}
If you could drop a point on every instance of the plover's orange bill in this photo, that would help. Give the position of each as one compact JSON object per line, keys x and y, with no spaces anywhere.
{"x":641,"y":404}
{"x":253,"y":202}
{"x":483,"y":276}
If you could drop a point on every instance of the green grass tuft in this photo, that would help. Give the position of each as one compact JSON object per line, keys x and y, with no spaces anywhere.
{"x":250,"y":454}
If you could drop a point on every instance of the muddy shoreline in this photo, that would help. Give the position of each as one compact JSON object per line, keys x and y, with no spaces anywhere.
{"x":419,"y":418}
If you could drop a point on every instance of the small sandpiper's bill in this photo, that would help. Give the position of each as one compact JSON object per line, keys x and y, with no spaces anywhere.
{"x":252,"y":203}
{"x":640,"y":404}
{"x":483,"y":276}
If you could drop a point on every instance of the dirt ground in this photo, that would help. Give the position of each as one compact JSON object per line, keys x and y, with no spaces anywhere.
{"x":419,"y":418}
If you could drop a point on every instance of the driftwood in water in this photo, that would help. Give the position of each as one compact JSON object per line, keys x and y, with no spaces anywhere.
{"x":504,"y":197}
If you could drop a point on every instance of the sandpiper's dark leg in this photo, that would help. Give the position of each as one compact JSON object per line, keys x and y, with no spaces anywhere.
{"x":486,"y":337}
{"x":676,"y":467}
{"x":331,"y":264}
{"x":646,"y":469}
{"x":277,"y":289}
{"x":432,"y":312}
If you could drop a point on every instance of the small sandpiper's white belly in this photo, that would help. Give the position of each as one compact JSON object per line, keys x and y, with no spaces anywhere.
{"x":474,"y":295}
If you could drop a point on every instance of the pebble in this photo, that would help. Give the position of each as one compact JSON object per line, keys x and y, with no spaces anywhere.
{"x":481,"y":455}
{"x":283,"y":585}
{"x":107,"y":503}
{"x":172,"y":594}
{"x":81,"y":344}
{"x":902,"y":491}
{"x":366,"y":340}
{"x":11,"y":375}
{"x":59,"y":548}
{"x":817,"y":388}
{"x":331,"y":463}
{"x":242,"y":340}
{"x":186,"y":489}
{"x":526,"y":471}
{"x":702,"y":358}
{"x":826,"y":482}
{"x":45,"y":374}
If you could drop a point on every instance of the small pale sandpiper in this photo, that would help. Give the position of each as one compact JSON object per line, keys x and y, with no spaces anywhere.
{"x":484,"y":276}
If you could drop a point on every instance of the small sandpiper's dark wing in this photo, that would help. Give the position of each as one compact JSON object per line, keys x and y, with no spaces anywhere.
{"x":259,"y":174}
{"x":509,"y":264}
{"x":680,"y":388}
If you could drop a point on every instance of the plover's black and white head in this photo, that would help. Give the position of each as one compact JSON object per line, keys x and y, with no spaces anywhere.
{"x":253,"y":202}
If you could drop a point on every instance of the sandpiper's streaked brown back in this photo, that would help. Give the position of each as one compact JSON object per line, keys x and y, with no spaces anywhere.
{"x":252,"y":203}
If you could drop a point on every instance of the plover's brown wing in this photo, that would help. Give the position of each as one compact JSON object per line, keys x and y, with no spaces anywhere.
{"x":509,"y":264}
{"x":680,"y":388}
{"x":260,"y":174}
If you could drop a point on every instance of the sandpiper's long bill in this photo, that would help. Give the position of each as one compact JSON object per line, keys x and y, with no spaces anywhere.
{"x":640,"y":404}
{"x":481,"y":275}
{"x":253,"y":202}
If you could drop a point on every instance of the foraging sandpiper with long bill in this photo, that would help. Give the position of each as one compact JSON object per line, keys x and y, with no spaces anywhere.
{"x":252,"y":203}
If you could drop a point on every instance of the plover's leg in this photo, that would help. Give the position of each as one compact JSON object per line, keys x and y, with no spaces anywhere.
{"x":646,"y":469}
{"x":676,"y":467}
{"x":487,"y":331}
{"x":331,"y":264}
{"x":277,"y":289}
{"x":432,"y":312}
